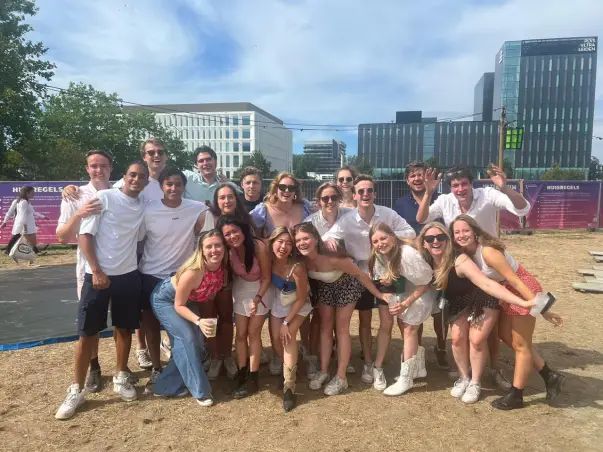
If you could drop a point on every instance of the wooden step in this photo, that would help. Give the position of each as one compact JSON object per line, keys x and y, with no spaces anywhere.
{"x":589,"y":272}
{"x":596,"y":253}
{"x":589,"y":287}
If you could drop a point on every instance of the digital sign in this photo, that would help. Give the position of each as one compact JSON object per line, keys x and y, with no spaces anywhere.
{"x":558,"y":46}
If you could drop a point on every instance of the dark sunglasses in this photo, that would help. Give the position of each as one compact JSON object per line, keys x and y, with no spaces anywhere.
{"x":368,"y":191}
{"x":208,"y":159}
{"x":326,"y":199}
{"x":344,"y":179}
{"x":432,"y":238}
{"x":285,"y":187}
{"x":159,"y":153}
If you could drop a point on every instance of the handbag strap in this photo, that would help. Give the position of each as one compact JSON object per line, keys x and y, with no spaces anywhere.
{"x":288,"y":278}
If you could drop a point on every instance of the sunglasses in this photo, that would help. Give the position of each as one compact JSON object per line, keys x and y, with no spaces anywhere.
{"x":332,"y":198}
{"x":285,"y":187}
{"x":368,"y":191}
{"x":206,"y":160}
{"x":432,"y":238}
{"x":152,"y":153}
{"x":344,"y":179}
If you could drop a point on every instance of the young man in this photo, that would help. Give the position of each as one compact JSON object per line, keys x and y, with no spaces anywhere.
{"x":201,"y":184}
{"x":251,"y":183}
{"x":353,"y":228}
{"x":108,"y":243}
{"x":481,"y":204}
{"x":98,"y":166}
{"x":169,"y":228}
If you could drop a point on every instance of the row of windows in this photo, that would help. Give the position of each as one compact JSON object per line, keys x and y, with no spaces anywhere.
{"x":225,"y":160}
{"x":213,"y":134}
{"x":203,"y":120}
{"x":222,"y":146}
{"x":539,"y":128}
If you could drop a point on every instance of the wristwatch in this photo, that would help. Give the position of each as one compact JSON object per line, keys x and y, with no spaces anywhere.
{"x":285,"y":323}
{"x":198,"y":321}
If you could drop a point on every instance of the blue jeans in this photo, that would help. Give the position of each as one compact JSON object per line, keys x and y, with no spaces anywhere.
{"x":185,"y":368}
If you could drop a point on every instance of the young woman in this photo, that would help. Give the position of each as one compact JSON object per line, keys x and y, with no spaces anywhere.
{"x":344,"y":178}
{"x":290,"y":306}
{"x":515,"y":325}
{"x":193,"y":286}
{"x":251,"y":268}
{"x":402,"y":271}
{"x":339,"y":286}
{"x":472,"y":303}
{"x":328,"y":195}
{"x":24,"y":223}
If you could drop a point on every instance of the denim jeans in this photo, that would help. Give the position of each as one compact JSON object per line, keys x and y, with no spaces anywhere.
{"x":185,"y":368}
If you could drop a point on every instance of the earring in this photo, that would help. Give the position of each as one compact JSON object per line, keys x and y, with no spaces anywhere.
{"x":294,"y":197}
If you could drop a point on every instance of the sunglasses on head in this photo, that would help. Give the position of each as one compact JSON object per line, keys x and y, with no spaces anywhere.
{"x":285,"y":187}
{"x":160,"y":153}
{"x":332,"y":198}
{"x":432,"y":238}
{"x":344,"y":179}
{"x":368,"y":191}
{"x":205,"y":160}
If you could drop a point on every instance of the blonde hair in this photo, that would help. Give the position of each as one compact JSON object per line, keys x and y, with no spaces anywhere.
{"x":394,"y":264}
{"x":271,"y":197}
{"x":482,"y":237}
{"x":197,"y":260}
{"x":152,"y":140}
{"x":440,"y":273}
{"x":321,"y":248}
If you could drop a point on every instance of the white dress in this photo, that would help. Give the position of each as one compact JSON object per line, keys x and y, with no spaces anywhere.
{"x":24,"y":219}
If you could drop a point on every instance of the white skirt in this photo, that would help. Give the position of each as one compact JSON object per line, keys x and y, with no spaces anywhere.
{"x":244,"y":291}
{"x":280,"y":311}
{"x":421,"y":309}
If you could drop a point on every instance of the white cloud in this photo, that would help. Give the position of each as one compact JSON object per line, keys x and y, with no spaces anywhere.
{"x":311,"y":61}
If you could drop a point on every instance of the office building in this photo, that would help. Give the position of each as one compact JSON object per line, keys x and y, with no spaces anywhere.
{"x":233,"y":130}
{"x":547,"y":86}
{"x":328,"y":155}
{"x":483,"y":97}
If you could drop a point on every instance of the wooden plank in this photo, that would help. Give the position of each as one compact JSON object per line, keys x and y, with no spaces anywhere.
{"x":598,"y":267}
{"x":588,"y":287}
{"x":591,"y":279}
{"x":599,"y":260}
{"x":588,"y":271}
{"x":596,"y":253}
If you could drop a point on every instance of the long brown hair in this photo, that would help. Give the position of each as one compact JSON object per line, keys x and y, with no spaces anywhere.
{"x":440,"y":273}
{"x":309,"y":228}
{"x":481,"y":236}
{"x":394,"y":264}
{"x":271,"y":197}
{"x":197,"y":260}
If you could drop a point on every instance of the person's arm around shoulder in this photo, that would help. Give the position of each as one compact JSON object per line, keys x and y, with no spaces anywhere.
{"x":71,"y":219}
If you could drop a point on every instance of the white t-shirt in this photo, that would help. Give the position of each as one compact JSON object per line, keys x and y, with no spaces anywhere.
{"x":115,"y":232}
{"x":68,"y":209}
{"x":150,"y":193}
{"x":170,"y":236}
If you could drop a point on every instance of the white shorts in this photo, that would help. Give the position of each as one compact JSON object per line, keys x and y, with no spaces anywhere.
{"x":280,"y":311}
{"x":244,"y":291}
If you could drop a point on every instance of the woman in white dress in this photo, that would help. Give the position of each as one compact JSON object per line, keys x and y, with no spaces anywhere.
{"x":25,"y":215}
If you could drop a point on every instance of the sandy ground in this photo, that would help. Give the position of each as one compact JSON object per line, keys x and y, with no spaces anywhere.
{"x":34,"y":382}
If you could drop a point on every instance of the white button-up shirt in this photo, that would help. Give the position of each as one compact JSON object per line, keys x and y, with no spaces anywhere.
{"x":354,"y":232}
{"x":320,"y":222}
{"x":486,"y":202}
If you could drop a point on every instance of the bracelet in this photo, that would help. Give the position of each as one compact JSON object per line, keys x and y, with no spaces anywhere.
{"x":257,"y":295}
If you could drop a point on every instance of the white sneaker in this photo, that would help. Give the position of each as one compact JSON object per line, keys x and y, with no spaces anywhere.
{"x":405,"y":380}
{"x":264,"y":359}
{"x":499,"y":379}
{"x":312,"y":367}
{"x":276,"y":365}
{"x":367,"y":373}
{"x":460,"y":386}
{"x":379,"y":382}
{"x":231,"y":367}
{"x":472,"y":393}
{"x":144,"y":359}
{"x":74,"y":399}
{"x":336,"y":386}
{"x":214,"y":369}
{"x":148,"y":389}
{"x":206,"y":401}
{"x":166,"y":348}
{"x":123,"y":387}
{"x":350,"y":369}
{"x":317,"y":382}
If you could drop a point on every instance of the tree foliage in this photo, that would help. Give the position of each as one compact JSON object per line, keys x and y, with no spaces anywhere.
{"x":257,"y":160}
{"x":595,"y":169}
{"x":22,"y":72}
{"x":557,"y":173}
{"x":360,"y":165}
{"x":304,"y":164}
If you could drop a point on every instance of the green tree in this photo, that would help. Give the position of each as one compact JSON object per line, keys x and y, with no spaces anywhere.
{"x":360,"y":165}
{"x":304,"y":164}
{"x":22,"y":73}
{"x":556,"y":173}
{"x":258,"y":160}
{"x":81,"y":118}
{"x":595,"y":169}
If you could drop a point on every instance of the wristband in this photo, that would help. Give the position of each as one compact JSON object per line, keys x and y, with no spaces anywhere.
{"x":198,"y":321}
{"x":285,"y":323}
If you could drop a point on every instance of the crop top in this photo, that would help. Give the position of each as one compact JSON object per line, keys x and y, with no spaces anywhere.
{"x":211,"y":284}
{"x":239,"y":269}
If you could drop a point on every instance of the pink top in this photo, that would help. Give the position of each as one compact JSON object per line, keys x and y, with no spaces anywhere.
{"x":211,"y":284}
{"x":239,"y":269}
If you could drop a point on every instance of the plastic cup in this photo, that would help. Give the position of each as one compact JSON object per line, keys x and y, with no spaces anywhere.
{"x":542,"y":300}
{"x":214,"y":327}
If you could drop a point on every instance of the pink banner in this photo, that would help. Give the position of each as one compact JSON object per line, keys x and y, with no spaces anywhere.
{"x":508,"y":221}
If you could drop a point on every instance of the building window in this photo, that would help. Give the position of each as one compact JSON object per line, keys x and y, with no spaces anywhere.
{"x":246,"y":146}
{"x":246,"y":134}
{"x":235,"y":120}
{"x":246,"y":120}
{"x":228,"y":147}
{"x":235,"y":161}
{"x":228,"y":160}
{"x":235,"y":146}
{"x":227,"y":133}
{"x":235,"y":134}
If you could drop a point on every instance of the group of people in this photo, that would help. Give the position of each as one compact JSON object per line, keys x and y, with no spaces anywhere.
{"x":188,"y":251}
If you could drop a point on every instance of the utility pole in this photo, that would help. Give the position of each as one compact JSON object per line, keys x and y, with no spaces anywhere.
{"x":501,"y":152}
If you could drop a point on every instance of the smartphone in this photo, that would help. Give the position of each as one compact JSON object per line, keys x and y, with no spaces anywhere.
{"x":549,"y":303}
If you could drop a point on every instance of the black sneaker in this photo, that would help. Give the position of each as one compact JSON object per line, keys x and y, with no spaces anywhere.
{"x":94,"y":382}
{"x":289,"y":400}
{"x":554,"y":385}
{"x":508,"y":402}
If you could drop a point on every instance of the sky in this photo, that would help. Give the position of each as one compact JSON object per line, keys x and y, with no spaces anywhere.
{"x":304,"y":61}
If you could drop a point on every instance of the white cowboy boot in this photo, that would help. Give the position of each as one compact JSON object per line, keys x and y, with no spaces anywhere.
{"x":405,"y":382}
{"x":420,"y":371}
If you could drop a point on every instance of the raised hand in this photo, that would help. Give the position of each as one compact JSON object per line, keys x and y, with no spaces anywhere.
{"x":431,"y":181}
{"x":498,"y":177}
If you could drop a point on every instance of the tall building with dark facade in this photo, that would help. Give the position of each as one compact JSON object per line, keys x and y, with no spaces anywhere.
{"x":327,"y":153}
{"x":547,"y":86}
{"x":483,"y":96}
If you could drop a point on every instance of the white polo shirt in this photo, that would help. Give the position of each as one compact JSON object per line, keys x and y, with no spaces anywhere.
{"x":115,"y":232}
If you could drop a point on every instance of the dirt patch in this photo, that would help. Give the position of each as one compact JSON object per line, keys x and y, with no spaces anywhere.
{"x":427,"y":419}
{"x":52,"y":256}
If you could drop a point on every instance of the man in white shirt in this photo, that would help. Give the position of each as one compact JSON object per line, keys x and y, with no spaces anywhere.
{"x":481,"y":204}
{"x":108,"y":241}
{"x":169,"y":226}
{"x":98,"y":166}
{"x":353,"y":229}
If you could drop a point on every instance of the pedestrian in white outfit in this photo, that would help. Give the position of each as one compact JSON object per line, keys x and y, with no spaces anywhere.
{"x":25,"y":223}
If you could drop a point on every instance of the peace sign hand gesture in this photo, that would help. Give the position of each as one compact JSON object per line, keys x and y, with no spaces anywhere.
{"x":498,"y":177}
{"x":431,"y":181}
